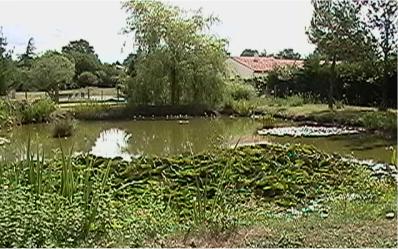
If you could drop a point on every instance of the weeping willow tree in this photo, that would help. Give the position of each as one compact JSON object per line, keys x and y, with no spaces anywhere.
{"x":179,"y":62}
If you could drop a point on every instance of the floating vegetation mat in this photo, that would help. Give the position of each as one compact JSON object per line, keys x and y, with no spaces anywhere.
{"x":287,"y":176}
{"x":87,"y":200}
{"x":308,"y":131}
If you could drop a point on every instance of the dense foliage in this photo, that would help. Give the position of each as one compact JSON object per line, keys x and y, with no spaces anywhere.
{"x":356,"y":83}
{"x":339,"y":35}
{"x":179,"y":62}
{"x":5,"y":64}
{"x":382,"y":19}
{"x":288,"y":54}
{"x":112,"y":203}
{"x":15,"y":112}
{"x":29,"y":71}
{"x":342,"y":33}
{"x":50,"y":72}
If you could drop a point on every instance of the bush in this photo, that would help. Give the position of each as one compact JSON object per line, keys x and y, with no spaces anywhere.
{"x":38,"y":111}
{"x":244,"y":107}
{"x":22,"y":112}
{"x":379,"y":120}
{"x":8,"y":112}
{"x":295,"y":100}
{"x":91,"y":110}
{"x":240,"y":91}
{"x":87,"y":79}
{"x":63,"y":127}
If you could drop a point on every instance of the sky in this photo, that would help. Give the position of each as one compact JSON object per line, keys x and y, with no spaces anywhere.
{"x":263,"y":24}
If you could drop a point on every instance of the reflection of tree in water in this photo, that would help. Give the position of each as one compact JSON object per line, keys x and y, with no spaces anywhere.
{"x":148,"y":137}
{"x":169,"y":137}
{"x":112,"y":143}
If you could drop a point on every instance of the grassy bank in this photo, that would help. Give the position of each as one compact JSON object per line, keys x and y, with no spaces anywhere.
{"x":366,"y":117}
{"x":106,"y":111}
{"x":249,"y":196}
{"x":24,"y":112}
{"x":299,"y":108}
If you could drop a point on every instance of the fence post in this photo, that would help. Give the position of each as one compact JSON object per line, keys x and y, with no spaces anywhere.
{"x":88,"y":93}
{"x":102,"y":95}
{"x":117,"y":94}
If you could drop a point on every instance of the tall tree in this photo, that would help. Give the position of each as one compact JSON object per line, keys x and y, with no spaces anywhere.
{"x":288,"y":53}
{"x":25,"y":59}
{"x":177,"y":55}
{"x":382,"y":18}
{"x":51,"y":71}
{"x":81,"y":46}
{"x":130,"y":63}
{"x":5,"y":64}
{"x":338,"y":33}
{"x":83,"y":55}
{"x":250,"y":52}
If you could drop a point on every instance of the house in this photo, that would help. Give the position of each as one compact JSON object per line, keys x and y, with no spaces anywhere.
{"x":250,"y":67}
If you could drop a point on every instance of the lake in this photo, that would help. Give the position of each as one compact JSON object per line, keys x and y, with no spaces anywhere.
{"x":168,"y":137}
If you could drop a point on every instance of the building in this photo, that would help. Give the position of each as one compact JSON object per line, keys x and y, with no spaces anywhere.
{"x":250,"y":67}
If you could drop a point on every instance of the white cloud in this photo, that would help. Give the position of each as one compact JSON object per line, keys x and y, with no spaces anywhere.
{"x":270,"y":25}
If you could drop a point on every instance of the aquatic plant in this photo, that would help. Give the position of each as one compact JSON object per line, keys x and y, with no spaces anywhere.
{"x":63,"y":127}
{"x":23,"y":112}
{"x":114,"y":202}
{"x":37,"y":111}
{"x":307,"y":131}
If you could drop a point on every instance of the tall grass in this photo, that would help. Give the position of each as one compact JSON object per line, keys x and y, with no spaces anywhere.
{"x":214,"y":211}
{"x":289,"y":101}
{"x":22,"y":112}
{"x":35,"y":167}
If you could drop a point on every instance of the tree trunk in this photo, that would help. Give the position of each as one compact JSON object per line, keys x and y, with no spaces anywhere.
{"x":174,"y":86}
{"x":384,"y":90}
{"x":384,"y":100}
{"x":56,"y":97}
{"x":332,"y":81}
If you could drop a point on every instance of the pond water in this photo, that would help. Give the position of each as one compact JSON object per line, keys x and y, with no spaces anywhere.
{"x":167,"y":137}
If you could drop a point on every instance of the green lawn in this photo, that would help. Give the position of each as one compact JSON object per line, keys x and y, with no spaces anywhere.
{"x":367,"y":117}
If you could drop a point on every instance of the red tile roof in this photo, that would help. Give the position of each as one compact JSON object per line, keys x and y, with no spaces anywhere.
{"x":264,"y":64}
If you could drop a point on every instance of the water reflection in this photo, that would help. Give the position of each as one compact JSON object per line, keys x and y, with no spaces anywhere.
{"x":125,"y":138}
{"x":112,"y":143}
{"x":162,"y":137}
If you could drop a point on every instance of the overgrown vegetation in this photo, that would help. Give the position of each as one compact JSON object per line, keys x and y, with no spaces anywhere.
{"x":151,"y":200}
{"x":63,"y":127}
{"x":16,"y":112}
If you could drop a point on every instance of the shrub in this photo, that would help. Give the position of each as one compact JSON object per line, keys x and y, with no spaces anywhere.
{"x":244,"y":107}
{"x":87,"y":79}
{"x":91,"y":110}
{"x":240,"y":91}
{"x":295,"y":100}
{"x":379,"y":120}
{"x":63,"y":127}
{"x":38,"y":111}
{"x":17,"y":112}
{"x":8,"y":112}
